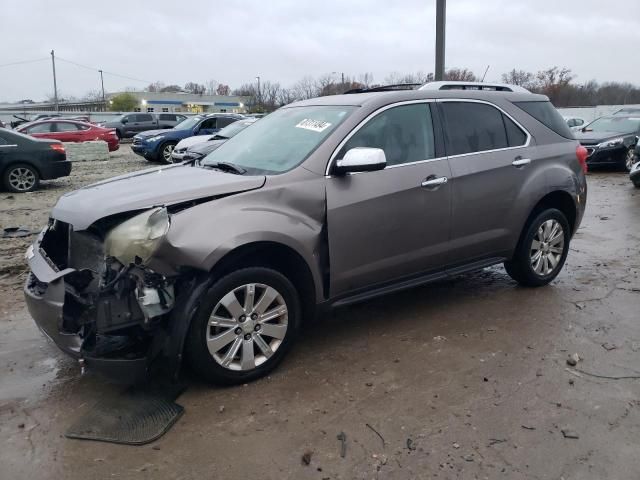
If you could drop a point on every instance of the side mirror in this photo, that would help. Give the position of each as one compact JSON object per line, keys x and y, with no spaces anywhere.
{"x":361,"y":159}
{"x":125,"y":120}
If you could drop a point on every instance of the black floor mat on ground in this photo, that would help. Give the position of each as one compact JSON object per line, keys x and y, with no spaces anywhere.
{"x":133,"y":417}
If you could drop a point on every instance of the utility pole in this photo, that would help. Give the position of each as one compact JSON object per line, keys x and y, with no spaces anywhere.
{"x":441,"y":14}
{"x":259,"y":96}
{"x":55,"y":85}
{"x":104,"y":103}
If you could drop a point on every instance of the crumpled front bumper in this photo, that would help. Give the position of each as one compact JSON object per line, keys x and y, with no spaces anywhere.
{"x":44,"y":293}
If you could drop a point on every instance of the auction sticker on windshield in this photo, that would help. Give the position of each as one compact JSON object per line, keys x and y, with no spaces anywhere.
{"x":314,"y":125}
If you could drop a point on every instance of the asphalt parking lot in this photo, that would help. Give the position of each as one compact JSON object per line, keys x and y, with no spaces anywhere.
{"x":460,"y":379}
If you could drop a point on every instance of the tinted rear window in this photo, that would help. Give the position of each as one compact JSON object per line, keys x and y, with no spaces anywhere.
{"x":473,"y":127}
{"x":546,"y":114}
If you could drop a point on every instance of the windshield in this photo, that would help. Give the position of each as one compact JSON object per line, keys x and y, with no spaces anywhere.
{"x":231,"y":130}
{"x":188,"y":124}
{"x":281,"y":140}
{"x":614,"y":124}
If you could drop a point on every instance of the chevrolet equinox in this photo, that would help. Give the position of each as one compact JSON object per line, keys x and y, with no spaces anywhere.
{"x":323,"y":203}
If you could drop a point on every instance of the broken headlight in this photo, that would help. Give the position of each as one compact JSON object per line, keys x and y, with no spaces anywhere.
{"x":138,"y":237}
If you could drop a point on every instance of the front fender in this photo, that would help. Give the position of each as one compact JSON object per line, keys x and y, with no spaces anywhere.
{"x":292,"y":215}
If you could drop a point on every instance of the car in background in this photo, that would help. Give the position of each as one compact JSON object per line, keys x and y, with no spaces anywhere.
{"x":25,"y":160}
{"x":130,"y":124}
{"x":574,"y":123}
{"x":158,"y":145}
{"x":71,"y":131}
{"x":628,"y":111}
{"x":611,"y":140}
{"x":194,"y":148}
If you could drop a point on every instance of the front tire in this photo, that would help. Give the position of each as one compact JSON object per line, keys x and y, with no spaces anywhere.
{"x":244,"y":326}
{"x":21,"y":178}
{"x":542,"y":250}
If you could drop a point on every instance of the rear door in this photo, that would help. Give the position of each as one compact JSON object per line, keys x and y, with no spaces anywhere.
{"x":392,"y":223}
{"x":40,"y":130}
{"x":66,"y":132}
{"x":145,"y":121}
{"x":490,"y":158}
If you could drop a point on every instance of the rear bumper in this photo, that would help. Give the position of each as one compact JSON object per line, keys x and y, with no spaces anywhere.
{"x":44,"y":293}
{"x":53,"y":170}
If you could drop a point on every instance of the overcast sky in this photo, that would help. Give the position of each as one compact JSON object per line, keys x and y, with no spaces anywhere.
{"x":284,"y":40}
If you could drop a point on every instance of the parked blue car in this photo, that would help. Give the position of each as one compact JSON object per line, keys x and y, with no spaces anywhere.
{"x":157,"y":145}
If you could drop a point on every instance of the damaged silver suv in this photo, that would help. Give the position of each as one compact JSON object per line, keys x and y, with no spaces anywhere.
{"x":323,"y":203}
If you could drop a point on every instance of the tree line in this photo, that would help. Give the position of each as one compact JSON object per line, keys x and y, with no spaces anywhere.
{"x":558,"y":83}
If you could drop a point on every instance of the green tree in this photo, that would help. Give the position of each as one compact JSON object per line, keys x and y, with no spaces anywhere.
{"x":123,"y":102}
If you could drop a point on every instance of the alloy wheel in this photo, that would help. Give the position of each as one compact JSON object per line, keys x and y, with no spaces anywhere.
{"x":22,"y":179}
{"x":247,"y":326}
{"x":629,"y":159}
{"x":547,"y":248}
{"x":166,"y":152}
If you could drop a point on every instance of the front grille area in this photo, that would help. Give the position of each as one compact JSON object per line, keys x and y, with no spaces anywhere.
{"x":55,"y":244}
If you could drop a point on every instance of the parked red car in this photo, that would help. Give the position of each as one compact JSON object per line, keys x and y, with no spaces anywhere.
{"x":70,"y":131}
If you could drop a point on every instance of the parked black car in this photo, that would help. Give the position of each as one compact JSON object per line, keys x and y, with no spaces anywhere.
{"x":611,"y":140}
{"x":25,"y":160}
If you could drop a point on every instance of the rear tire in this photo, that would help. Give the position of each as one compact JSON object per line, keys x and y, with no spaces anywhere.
{"x":629,"y":159}
{"x":164,"y":154}
{"x":542,"y":250}
{"x":20,"y":178}
{"x":247,"y":340}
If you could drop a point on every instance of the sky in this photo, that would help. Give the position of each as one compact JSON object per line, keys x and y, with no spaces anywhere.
{"x":232,"y":42}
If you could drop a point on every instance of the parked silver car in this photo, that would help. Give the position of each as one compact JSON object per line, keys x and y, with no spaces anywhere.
{"x":323,"y":203}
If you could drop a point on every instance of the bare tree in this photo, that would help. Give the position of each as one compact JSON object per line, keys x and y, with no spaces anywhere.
{"x":211,"y":86}
{"x":155,"y":87}
{"x":520,"y":77}
{"x":171,"y":89}
{"x":460,"y":75}
{"x":305,"y":88}
{"x":223,"y":89}
{"x":196,"y":88}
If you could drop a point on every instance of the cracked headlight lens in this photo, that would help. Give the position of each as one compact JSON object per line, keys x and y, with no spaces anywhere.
{"x":138,"y":237}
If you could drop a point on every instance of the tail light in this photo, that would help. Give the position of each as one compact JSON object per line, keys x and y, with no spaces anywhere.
{"x":58,"y":147}
{"x":582,"y":154}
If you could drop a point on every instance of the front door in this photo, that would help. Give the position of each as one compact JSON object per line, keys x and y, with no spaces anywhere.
{"x":392,"y":223}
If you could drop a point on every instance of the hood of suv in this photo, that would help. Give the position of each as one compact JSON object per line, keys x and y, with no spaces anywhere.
{"x":153,"y":133}
{"x":590,"y":138}
{"x":149,"y":188}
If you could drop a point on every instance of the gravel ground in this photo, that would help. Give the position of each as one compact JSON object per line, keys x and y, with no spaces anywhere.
{"x":463,"y":379}
{"x":32,"y":209}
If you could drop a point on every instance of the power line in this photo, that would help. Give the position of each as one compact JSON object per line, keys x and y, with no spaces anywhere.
{"x":103,"y":71}
{"x":23,"y":62}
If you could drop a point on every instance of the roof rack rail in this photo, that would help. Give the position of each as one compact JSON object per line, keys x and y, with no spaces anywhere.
{"x":386,"y":88}
{"x":454,"y":85}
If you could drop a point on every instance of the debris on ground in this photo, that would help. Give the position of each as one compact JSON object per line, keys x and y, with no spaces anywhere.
{"x":528,"y":427}
{"x":377,"y":433}
{"x":456,"y":445}
{"x":306,"y":457}
{"x":410,"y":444}
{"x":609,"y":346}
{"x":343,"y":444}
{"x":568,"y":433}
{"x":495,"y":441}
{"x":16,"y":232}
{"x":468,"y":458}
{"x":573,"y":360}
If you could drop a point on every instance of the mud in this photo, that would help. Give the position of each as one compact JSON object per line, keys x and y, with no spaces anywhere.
{"x":461,"y":379}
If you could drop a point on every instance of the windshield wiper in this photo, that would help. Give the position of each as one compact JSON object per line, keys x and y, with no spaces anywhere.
{"x":226,"y":167}
{"x":219,"y":137}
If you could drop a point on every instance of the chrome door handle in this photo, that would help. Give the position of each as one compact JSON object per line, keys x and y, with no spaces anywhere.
{"x":434,"y":182}
{"x":519,"y":162}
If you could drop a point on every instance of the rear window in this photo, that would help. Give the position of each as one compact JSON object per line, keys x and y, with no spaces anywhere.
{"x":168,"y":117}
{"x":546,"y":114}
